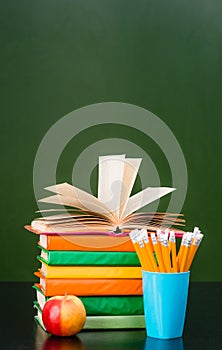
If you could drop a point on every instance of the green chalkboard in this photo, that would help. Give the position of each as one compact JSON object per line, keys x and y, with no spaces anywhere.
{"x":57,"y":56}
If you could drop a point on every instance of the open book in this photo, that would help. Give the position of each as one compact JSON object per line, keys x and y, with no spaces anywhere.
{"x":112,"y":210}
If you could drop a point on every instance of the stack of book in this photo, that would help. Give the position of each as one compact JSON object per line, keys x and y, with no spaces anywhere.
{"x":87,"y":252}
{"x":107,"y":280}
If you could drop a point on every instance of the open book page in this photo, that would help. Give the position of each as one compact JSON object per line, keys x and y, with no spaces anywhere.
{"x":71,"y":228}
{"x":144,"y":219}
{"x":74,"y":197}
{"x":142,"y":198}
{"x":131,"y":167}
{"x":135,"y":220}
{"x":69,"y":218}
{"x":111,"y":169}
{"x":72,"y":223}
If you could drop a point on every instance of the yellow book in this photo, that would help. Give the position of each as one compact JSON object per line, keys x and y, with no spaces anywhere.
{"x":90,"y":271}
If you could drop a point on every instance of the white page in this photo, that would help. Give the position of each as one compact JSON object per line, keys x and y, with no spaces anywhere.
{"x":111,"y":170}
{"x":73,"y":196}
{"x":131,"y":168}
{"x":147,"y":196}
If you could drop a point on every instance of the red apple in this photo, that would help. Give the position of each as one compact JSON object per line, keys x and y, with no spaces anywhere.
{"x":64,"y":315}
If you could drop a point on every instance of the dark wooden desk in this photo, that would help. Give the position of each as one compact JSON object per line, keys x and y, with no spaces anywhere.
{"x":18,"y":331}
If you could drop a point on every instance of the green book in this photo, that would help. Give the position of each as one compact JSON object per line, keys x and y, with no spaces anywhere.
{"x":104,"y":305}
{"x":88,"y":258}
{"x":114,"y":322}
{"x":104,"y":322}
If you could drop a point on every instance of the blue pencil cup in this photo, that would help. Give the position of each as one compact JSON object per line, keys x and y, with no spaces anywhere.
{"x":165,"y":300}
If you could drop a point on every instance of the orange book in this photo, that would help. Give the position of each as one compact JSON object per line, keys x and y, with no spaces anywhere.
{"x":89,"y":286}
{"x":89,"y":243}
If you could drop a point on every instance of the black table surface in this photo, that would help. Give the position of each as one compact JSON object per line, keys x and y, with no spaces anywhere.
{"x":18,"y":330}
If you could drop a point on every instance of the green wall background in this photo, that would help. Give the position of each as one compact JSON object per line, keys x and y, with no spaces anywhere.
{"x":57,"y":56}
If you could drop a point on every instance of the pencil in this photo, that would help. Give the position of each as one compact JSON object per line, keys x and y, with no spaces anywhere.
{"x":180,"y":253}
{"x":149,"y":250}
{"x":166,"y":252}
{"x":187,"y":243}
{"x":194,"y":233}
{"x":158,"y":252}
{"x":193,"y":249}
{"x":146,"y":263}
{"x":132,"y":235}
{"x":160,"y":237}
{"x":172,"y":246}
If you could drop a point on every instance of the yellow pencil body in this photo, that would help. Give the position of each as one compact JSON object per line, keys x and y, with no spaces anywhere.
{"x":190,"y":256}
{"x":159,"y":255}
{"x":187,"y":244}
{"x":172,"y":246}
{"x":147,"y":263}
{"x":160,"y":251}
{"x":134,"y":235}
{"x":193,"y":250}
{"x":149,"y":250}
{"x":155,"y":250}
{"x":151,"y":257}
{"x":184,"y":258}
{"x":167,"y":257}
{"x":166,"y":251}
{"x":181,"y":251}
{"x":143,"y":257}
{"x":139,"y":254}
